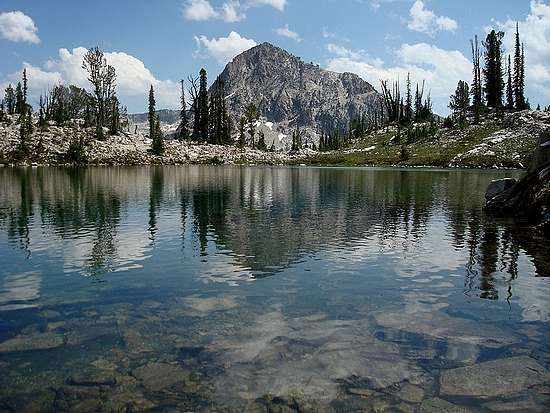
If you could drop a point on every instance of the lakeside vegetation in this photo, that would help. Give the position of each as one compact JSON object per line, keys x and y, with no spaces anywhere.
{"x":402,"y":131}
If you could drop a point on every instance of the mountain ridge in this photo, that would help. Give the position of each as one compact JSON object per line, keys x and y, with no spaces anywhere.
{"x":288,"y":90}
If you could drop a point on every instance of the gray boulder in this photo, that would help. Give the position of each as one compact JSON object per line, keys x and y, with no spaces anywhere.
{"x":498,"y":186}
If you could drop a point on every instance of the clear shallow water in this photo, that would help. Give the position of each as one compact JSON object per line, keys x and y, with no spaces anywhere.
{"x":200,"y":288}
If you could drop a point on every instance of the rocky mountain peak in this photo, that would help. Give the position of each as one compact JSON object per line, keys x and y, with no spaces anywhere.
{"x":292,"y":93}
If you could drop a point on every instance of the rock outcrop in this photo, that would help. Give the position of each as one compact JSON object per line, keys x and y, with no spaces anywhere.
{"x":529,"y":198}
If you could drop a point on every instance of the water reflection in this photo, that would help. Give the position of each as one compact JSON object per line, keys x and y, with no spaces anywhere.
{"x":265,"y":219}
{"x":205,"y":288}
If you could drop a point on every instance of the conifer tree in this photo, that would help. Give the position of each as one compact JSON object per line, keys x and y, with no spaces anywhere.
{"x":10,"y":100}
{"x":41,"y":113}
{"x":460,"y":102}
{"x":261,"y":141}
{"x":252,"y":115}
{"x":203,"y":106}
{"x":114,"y":127}
{"x":494,"y":83}
{"x":152,"y":113}
{"x":19,"y":100}
{"x":183,"y":133}
{"x":158,"y":139}
{"x":477,"y":86}
{"x":25,"y":86}
{"x":519,"y":73}
{"x":408,"y":102}
{"x":155,"y":132}
{"x":103,"y":77}
{"x":242,"y":138}
{"x":509,"y":87}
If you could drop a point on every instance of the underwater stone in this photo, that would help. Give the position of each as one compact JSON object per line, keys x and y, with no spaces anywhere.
{"x":493,"y":378}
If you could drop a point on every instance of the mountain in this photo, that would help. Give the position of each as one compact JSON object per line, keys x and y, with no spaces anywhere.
{"x":165,"y":115}
{"x":290,"y":93}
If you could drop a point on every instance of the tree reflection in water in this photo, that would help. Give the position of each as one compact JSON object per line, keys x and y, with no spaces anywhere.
{"x":269,"y":218}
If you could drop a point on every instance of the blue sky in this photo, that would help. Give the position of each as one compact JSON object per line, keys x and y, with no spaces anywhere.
{"x":162,"y":42}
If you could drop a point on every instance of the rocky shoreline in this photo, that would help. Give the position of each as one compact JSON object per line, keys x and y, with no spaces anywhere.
{"x":505,"y":144}
{"x":529,"y":198}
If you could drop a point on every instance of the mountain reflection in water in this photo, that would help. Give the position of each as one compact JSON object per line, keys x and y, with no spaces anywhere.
{"x":242,"y":281}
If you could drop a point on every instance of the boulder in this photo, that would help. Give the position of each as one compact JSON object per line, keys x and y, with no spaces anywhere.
{"x":529,"y":198}
{"x":495,"y":378}
{"x":542,"y":154}
{"x":498,"y":186}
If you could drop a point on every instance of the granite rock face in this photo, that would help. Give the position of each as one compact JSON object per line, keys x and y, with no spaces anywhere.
{"x":291,"y":93}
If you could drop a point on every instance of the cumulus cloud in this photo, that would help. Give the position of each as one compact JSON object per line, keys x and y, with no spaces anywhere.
{"x":286,"y":32}
{"x":223,"y":49}
{"x":441,"y":69}
{"x":230,"y":11}
{"x":426,"y":21}
{"x":18,"y":27}
{"x":535,"y":34}
{"x":133,"y":78}
{"x":199,"y":10}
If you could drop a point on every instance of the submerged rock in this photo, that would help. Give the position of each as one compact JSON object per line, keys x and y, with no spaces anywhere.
{"x":437,"y":405}
{"x":493,"y":378}
{"x":40,"y":341}
{"x":157,"y":376}
{"x":441,"y":326}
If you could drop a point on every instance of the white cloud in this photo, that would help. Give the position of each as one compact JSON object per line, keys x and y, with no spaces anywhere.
{"x":535,"y":34}
{"x":223,"y":49}
{"x":18,"y":27}
{"x":230,"y":11}
{"x":426,"y":21}
{"x":277,"y":4}
{"x":344,"y":52}
{"x":199,"y":10}
{"x":441,"y":69}
{"x":133,"y":78}
{"x":286,"y":32}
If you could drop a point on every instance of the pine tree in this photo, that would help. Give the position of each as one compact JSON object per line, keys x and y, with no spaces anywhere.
{"x":477,"y":87}
{"x":242,"y":138}
{"x":460,"y":102}
{"x":261,"y":141}
{"x":41,"y":114}
{"x":252,"y":115}
{"x":519,"y":73}
{"x":183,"y":133}
{"x":158,"y":138}
{"x":103,"y":77}
{"x":10,"y":100}
{"x":509,"y":87}
{"x":19,"y":101}
{"x":494,"y":83}
{"x":203,"y":106}
{"x":152,"y":113}
{"x":115,"y":116}
{"x":408,"y":102}
{"x":25,"y":86}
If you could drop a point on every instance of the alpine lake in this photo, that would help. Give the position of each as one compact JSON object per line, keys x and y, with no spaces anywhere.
{"x":268,"y":289}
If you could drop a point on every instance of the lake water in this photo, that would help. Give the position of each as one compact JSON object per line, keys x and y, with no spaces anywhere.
{"x":205,"y":288}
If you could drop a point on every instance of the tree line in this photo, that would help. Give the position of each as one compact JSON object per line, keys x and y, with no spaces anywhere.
{"x":498,"y":85}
